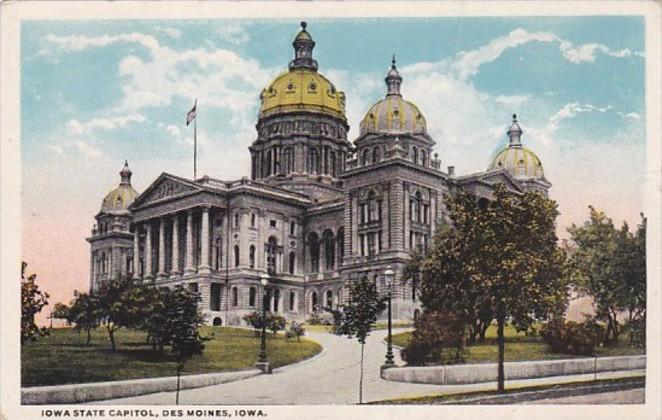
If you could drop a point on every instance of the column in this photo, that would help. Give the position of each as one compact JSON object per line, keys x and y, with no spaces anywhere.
{"x":175,"y":246}
{"x":189,"y":244}
{"x":148,"y":251}
{"x":162,"y":248}
{"x":136,"y":252}
{"x":204,"y":241}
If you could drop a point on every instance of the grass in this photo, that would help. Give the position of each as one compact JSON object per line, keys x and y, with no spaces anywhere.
{"x":63,"y":357}
{"x":521,"y":347}
{"x":462,"y":396}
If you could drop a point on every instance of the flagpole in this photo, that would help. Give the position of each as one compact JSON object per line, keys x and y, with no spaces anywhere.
{"x":195,"y":147}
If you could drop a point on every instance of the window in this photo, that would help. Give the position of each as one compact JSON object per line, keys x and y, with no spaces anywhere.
{"x":364,"y":157}
{"x":252,"y":294}
{"x":313,"y":301}
{"x":292,"y":262}
{"x":272,"y":248}
{"x":215,"y":298}
{"x":312,"y":162}
{"x":414,"y":154}
{"x":193,"y":287}
{"x":364,"y":212}
{"x":251,"y":256}
{"x":252,"y":219}
{"x":235,"y":297}
{"x":288,"y":160}
{"x":129,"y":264}
{"x":218,"y":251}
{"x":293,"y":297}
{"x":372,"y":207}
{"x":329,"y":250}
{"x":293,"y":228}
{"x":376,"y":154}
{"x":415,"y":207}
{"x":341,"y":245}
{"x":426,"y":214}
{"x":372,"y":244}
{"x":329,"y":299}
{"x":333,"y":164}
{"x":276,"y":300}
{"x":314,"y":251}
{"x":236,"y":255}
{"x":236,"y":220}
{"x":424,"y":158}
{"x":273,"y":224}
{"x":103,"y":263}
{"x":362,"y":244}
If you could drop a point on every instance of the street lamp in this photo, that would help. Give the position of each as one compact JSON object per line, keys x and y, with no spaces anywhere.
{"x":388,"y":280}
{"x":263,"y":362}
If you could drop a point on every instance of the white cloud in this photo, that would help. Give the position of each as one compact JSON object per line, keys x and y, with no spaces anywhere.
{"x":88,"y":151}
{"x":232,"y":33}
{"x":512,"y":101}
{"x":171,"y":32}
{"x":631,"y":115}
{"x":77,"y":43}
{"x":77,"y":127}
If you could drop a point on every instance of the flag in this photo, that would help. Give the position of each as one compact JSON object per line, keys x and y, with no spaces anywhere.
{"x":190,"y":116}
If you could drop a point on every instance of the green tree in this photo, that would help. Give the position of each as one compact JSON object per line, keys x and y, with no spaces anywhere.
{"x":32,"y":302}
{"x":357,"y":317}
{"x":497,"y":258}
{"x":609,"y":264}
{"x":122,"y":303}
{"x":60,"y":311}
{"x":84,"y":313}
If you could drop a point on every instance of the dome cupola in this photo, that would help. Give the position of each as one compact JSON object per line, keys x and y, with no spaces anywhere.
{"x":519,"y":161}
{"x":120,"y":198}
{"x":393,"y":114}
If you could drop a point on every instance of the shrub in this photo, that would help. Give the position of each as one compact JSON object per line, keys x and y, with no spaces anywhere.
{"x":254,"y":319}
{"x":438,"y":338}
{"x":275,"y":323}
{"x":296,"y":330}
{"x":572,"y":337}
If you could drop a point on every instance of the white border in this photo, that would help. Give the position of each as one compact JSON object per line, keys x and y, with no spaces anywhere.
{"x":11,"y":15}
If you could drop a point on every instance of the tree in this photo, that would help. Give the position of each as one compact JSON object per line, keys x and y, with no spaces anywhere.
{"x":122,"y":303}
{"x":609,"y":264}
{"x":60,"y":311}
{"x":84,"y":313}
{"x":496,"y":259}
{"x":357,"y":317}
{"x":32,"y":302}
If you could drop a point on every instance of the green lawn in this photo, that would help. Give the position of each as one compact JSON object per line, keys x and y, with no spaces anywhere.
{"x":521,"y":347}
{"x":63,"y":357}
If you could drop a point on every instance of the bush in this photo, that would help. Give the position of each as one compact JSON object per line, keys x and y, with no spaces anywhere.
{"x":296,"y":330}
{"x":572,"y":337}
{"x":275,"y":323}
{"x":439,"y":338}
{"x":254,"y":319}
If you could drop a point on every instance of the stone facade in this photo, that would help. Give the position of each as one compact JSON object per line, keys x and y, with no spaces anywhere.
{"x":317,"y":213}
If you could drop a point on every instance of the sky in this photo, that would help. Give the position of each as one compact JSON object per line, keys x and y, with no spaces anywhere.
{"x":96,"y":93}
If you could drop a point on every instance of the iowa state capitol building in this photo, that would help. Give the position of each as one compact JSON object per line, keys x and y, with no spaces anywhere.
{"x":318,"y":211}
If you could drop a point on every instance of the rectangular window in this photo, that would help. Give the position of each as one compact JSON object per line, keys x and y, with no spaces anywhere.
{"x":273,"y":223}
{"x":215,"y":298}
{"x":362,"y":244}
{"x":379,"y":240}
{"x":293,"y":228}
{"x":371,"y":244}
{"x":426,"y":219}
{"x":363,"y":213}
{"x":252,"y":219}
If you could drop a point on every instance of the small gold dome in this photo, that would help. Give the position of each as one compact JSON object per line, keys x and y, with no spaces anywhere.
{"x":302,"y":89}
{"x":393,"y":115}
{"x":521,"y":162}
{"x":121,"y":197}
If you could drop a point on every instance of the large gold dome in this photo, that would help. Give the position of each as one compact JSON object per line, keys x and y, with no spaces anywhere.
{"x":302,"y":88}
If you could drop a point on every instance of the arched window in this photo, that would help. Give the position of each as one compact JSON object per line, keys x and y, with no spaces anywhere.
{"x":288,"y":160}
{"x":252,"y":294}
{"x":235,"y":297}
{"x":329,"y":299}
{"x":314,"y":251}
{"x":329,"y":250}
{"x":218,"y":251}
{"x":312,"y":163}
{"x":341,"y":245}
{"x":276,"y":300}
{"x":292,"y":262}
{"x":313,"y":301}
{"x":414,"y":154}
{"x":236,"y":255}
{"x":272,"y":249}
{"x":415,"y":207}
{"x":251,"y":256}
{"x":424,"y":158}
{"x":364,"y":157}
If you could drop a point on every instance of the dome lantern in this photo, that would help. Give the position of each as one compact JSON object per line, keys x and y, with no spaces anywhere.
{"x":125,"y":174}
{"x":303,"y":50}
{"x":515,"y":132}
{"x":118,"y":200}
{"x":393,"y":80}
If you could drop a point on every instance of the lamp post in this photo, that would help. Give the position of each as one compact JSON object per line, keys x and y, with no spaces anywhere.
{"x":263,"y":362}
{"x":388,"y":280}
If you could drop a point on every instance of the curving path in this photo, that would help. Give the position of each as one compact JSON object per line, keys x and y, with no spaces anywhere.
{"x":329,"y":378}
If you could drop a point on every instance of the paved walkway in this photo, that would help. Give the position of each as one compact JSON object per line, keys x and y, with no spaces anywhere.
{"x":331,"y":378}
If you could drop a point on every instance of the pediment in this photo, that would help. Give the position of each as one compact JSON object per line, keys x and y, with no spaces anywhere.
{"x":499,"y":176}
{"x":163,"y":188}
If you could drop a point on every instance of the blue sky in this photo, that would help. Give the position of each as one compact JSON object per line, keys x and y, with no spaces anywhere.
{"x":97,"y":92}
